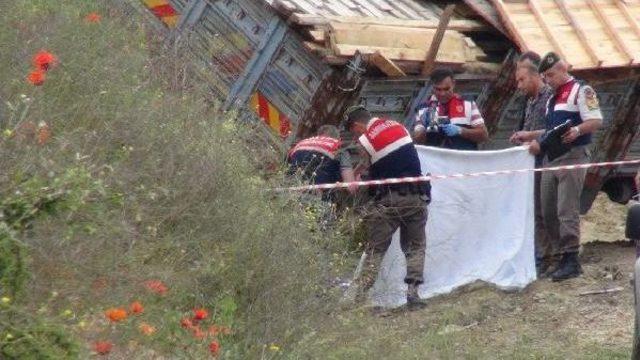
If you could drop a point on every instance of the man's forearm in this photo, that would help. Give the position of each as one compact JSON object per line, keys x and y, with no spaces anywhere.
{"x":477,"y":134}
{"x":534,"y":134}
{"x":589,"y":126}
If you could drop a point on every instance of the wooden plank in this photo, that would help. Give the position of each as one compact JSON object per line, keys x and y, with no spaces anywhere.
{"x":582,"y":35}
{"x":317,"y":35}
{"x":393,"y":37}
{"x":506,"y":18}
{"x":457,"y":25}
{"x":315,"y":48}
{"x":437,"y":39}
{"x":630,"y":18}
{"x":385,"y":65}
{"x":557,"y":47}
{"x":611,"y":31}
{"x":396,"y":53}
{"x":485,"y":10}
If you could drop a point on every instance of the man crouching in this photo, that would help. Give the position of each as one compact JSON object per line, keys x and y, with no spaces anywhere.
{"x":387,"y":151}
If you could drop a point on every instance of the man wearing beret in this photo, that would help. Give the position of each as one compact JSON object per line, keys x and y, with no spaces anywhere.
{"x":573,"y":105}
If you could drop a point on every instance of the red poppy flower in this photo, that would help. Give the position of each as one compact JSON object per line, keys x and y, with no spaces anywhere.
{"x":116,"y":315}
{"x":44,"y":133}
{"x":102,"y":347}
{"x":147,"y":329}
{"x":44,"y":60}
{"x":214,"y":330}
{"x":93,"y":17}
{"x":136,"y":307}
{"x":200,"y":314}
{"x":186,"y":323}
{"x":224,"y":330}
{"x":214,"y":348}
{"x":36,"y":77}
{"x":156,"y":286}
{"x":198,"y":333}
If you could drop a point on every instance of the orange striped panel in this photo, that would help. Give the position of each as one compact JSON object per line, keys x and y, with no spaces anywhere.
{"x":270,"y":114}
{"x":154,"y":3}
{"x":163,"y":11}
{"x":171,"y":21}
{"x":274,"y":118}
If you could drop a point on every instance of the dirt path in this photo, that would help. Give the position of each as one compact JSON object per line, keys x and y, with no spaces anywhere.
{"x":604,"y":222}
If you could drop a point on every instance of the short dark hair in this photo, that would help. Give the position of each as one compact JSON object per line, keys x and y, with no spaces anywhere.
{"x":440,"y":74}
{"x":354,"y":114}
{"x":531,"y":57}
{"x":329,"y":130}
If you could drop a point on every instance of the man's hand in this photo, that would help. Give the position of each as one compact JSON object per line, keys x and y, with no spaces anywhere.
{"x":451,"y":129}
{"x":352,"y":188}
{"x":518,"y":138}
{"x":571,"y":135}
{"x":419,"y":134}
{"x":534,"y":147}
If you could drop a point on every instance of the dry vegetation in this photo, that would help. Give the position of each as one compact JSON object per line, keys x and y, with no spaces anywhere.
{"x":141,"y":178}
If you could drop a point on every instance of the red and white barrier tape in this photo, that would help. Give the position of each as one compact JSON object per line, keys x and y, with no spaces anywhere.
{"x":424,"y":178}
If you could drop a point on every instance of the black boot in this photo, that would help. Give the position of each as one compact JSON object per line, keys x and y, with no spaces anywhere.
{"x":569,"y":268}
{"x":542,"y":266}
{"x":547,"y":266}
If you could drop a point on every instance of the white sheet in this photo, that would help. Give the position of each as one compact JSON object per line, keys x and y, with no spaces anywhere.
{"x":478,"y":228}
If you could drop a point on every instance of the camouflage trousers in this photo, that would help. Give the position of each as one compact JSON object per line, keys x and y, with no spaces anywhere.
{"x":389,"y":213}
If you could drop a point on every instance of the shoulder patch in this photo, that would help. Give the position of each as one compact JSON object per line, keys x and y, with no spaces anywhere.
{"x":591,"y":99}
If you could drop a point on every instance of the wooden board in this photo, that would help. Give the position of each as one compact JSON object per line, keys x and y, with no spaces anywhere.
{"x":458,"y":25}
{"x":400,"y":43}
{"x":587,"y":33}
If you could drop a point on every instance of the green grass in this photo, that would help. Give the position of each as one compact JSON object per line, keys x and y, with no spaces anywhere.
{"x":143,"y":178}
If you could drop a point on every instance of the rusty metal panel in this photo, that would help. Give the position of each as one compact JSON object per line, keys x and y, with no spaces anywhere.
{"x":224,"y":39}
{"x":179,"y":5}
{"x":292,"y":79}
{"x":389,"y":98}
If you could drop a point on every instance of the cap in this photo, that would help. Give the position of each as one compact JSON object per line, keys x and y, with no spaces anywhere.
{"x":548,"y":61}
{"x":347,"y":117}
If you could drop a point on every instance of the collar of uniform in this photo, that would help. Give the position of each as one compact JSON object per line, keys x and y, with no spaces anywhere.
{"x":562,"y":87}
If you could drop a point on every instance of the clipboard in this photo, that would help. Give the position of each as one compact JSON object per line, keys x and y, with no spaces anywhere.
{"x":552,"y":144}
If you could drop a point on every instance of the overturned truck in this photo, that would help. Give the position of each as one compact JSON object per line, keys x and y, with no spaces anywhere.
{"x":297,"y":64}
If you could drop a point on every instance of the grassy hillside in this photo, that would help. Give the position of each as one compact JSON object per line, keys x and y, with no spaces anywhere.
{"x":111,"y":177}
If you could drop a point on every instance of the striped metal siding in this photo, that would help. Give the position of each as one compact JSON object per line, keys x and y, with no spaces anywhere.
{"x":224,"y":39}
{"x":179,"y":4}
{"x":290,"y":82}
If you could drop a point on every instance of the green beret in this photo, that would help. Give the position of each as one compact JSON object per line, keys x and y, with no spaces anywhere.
{"x":548,"y":61}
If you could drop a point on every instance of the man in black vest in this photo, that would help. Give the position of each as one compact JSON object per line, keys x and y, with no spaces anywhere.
{"x":573,"y":115}
{"x":387,"y":151}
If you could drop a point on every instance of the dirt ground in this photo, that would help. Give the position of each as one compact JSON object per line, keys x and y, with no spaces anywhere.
{"x":544,"y":321}
{"x":604,"y":222}
{"x":557,"y":315}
